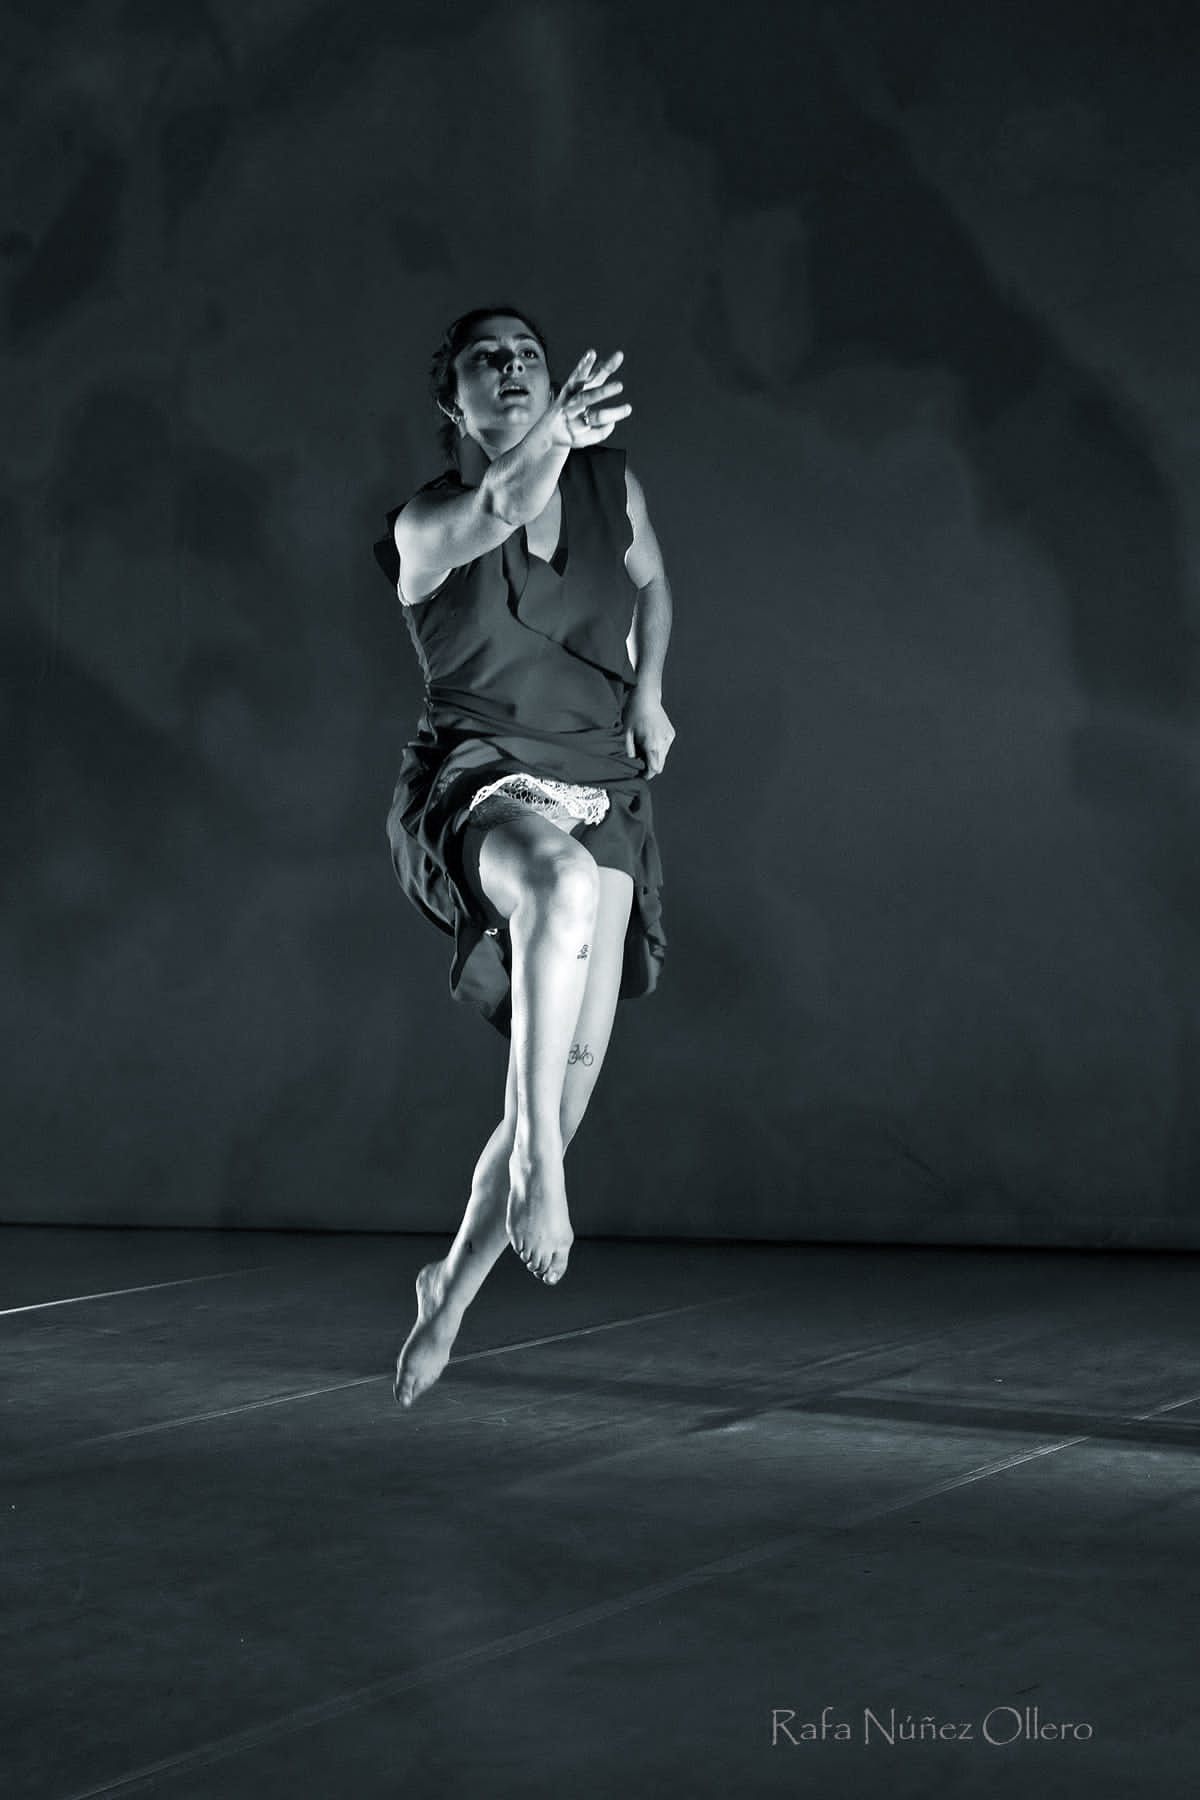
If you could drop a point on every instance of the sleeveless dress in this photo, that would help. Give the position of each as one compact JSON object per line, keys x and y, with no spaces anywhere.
{"x":526,"y":673}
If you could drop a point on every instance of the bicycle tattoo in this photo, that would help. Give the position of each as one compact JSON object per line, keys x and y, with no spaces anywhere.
{"x":581,"y":1054}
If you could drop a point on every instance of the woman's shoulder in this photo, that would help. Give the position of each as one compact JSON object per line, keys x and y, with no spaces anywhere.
{"x":386,"y":554}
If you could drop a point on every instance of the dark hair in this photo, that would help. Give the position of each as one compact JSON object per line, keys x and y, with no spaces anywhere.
{"x":443,"y":383}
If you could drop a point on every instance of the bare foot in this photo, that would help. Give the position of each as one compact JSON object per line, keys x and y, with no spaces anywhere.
{"x":427,"y":1348}
{"x":538,"y":1223}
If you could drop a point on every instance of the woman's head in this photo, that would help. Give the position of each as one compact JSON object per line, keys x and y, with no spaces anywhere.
{"x":487,"y":350}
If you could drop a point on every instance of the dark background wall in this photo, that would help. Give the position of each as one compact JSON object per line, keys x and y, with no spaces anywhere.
{"x":908,"y":299}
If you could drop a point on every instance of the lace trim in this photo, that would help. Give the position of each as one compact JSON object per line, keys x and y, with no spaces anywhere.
{"x":543,"y":794}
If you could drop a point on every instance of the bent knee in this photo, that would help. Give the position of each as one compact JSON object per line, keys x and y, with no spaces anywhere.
{"x":561,"y":880}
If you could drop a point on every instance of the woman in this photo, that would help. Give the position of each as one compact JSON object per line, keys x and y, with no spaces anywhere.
{"x":535,"y":595}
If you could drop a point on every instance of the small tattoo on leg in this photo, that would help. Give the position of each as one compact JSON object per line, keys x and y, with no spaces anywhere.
{"x":582,"y":954}
{"x":581,"y":1054}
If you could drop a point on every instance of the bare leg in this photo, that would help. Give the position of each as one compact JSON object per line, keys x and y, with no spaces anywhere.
{"x":446,"y":1289}
{"x":547,"y":886}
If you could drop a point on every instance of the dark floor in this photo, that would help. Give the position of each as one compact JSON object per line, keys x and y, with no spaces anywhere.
{"x":693,"y":1488}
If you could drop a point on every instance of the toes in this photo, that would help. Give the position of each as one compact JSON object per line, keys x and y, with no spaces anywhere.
{"x":548,"y":1265}
{"x":527,"y":1253}
{"x":558,"y":1267}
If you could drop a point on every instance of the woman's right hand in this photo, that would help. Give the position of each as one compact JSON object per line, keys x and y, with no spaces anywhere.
{"x":582,"y":412}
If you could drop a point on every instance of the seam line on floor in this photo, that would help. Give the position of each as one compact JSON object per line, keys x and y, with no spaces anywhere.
{"x":886,"y":1347}
{"x":149,"y":1287}
{"x":341,"y":1387}
{"x":322,"y":1712}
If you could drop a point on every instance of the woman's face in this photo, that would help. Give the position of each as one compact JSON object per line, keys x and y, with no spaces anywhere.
{"x":503,"y":382}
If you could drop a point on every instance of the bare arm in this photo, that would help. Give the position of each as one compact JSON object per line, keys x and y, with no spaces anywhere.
{"x":438,"y":532}
{"x":649,"y":732}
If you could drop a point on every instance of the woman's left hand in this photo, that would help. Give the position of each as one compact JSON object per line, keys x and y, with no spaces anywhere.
{"x":648,"y":731}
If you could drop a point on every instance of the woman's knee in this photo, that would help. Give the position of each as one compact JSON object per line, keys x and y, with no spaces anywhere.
{"x":561,"y":881}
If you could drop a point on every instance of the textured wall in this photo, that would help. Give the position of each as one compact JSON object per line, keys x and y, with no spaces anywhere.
{"x":908,"y":302}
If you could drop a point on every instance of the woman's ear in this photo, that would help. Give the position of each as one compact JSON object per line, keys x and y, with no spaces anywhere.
{"x":451,"y":412}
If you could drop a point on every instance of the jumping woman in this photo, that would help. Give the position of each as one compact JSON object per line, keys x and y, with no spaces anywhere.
{"x":521,"y":824}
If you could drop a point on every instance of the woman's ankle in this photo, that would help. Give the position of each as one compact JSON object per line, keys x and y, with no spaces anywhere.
{"x":468,"y":1265}
{"x":538,"y":1141}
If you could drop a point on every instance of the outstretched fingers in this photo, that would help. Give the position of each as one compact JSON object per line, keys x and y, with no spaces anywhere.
{"x":589,"y":372}
{"x":588,"y":395}
{"x":599,"y":373}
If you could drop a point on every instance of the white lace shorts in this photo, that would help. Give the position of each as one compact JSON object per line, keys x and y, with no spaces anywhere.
{"x":564,"y":803}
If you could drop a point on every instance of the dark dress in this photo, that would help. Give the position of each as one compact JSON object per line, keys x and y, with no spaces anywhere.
{"x":526,"y":668}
